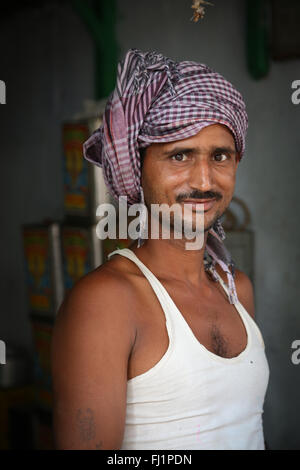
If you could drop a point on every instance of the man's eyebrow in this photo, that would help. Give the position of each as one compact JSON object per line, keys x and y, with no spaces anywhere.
{"x":223,"y":149}
{"x":175,"y":150}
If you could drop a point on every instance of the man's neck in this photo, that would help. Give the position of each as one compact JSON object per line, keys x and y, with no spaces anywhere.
{"x":169,"y":259}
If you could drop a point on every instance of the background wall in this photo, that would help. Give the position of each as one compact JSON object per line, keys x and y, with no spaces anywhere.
{"x":47,"y":64}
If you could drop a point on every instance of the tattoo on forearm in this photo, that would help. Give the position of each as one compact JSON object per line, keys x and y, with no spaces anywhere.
{"x":86,"y":422}
{"x":99,"y":445}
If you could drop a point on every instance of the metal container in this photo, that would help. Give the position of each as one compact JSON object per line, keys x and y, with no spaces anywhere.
{"x":43,"y":267}
{"x":81,"y":252}
{"x":84,"y":185}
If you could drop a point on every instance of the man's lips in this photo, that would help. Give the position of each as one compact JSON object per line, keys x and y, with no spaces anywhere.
{"x":206,"y":203}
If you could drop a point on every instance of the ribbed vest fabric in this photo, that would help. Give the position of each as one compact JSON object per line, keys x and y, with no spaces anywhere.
{"x":193,"y":398}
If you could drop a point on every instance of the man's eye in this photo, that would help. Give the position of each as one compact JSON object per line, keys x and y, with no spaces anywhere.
{"x":179,"y":157}
{"x":221,"y":157}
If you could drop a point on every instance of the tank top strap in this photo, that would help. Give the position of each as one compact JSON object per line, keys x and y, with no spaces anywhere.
{"x":159,"y":290}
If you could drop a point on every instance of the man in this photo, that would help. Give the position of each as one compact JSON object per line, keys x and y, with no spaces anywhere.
{"x":158,"y":347}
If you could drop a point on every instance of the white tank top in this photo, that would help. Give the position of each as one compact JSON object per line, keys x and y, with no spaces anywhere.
{"x":193,"y":398}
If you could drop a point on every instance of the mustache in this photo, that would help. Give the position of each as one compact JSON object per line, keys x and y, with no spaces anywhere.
{"x":196,"y":194}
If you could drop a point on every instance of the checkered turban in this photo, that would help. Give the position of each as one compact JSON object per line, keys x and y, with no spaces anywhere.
{"x":159,"y":100}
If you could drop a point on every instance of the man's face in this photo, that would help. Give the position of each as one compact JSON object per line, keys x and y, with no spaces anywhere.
{"x":202,"y":167}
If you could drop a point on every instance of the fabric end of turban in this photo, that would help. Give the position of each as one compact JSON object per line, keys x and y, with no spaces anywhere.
{"x":149,"y":62}
{"x":220,"y":255}
{"x":92,"y":148}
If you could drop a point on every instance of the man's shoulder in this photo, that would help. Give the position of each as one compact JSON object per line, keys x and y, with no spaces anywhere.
{"x":244,"y":288}
{"x":245,"y":291}
{"x":105,"y":289}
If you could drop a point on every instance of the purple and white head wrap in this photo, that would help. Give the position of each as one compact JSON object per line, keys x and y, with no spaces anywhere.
{"x":159,"y":100}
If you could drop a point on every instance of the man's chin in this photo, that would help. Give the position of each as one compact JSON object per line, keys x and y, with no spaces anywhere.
{"x":205,"y":222}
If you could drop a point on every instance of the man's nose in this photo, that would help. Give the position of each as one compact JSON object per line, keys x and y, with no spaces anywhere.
{"x":201,"y":175}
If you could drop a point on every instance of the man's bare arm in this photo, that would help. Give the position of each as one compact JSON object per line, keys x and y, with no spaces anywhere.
{"x":92,"y":340}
